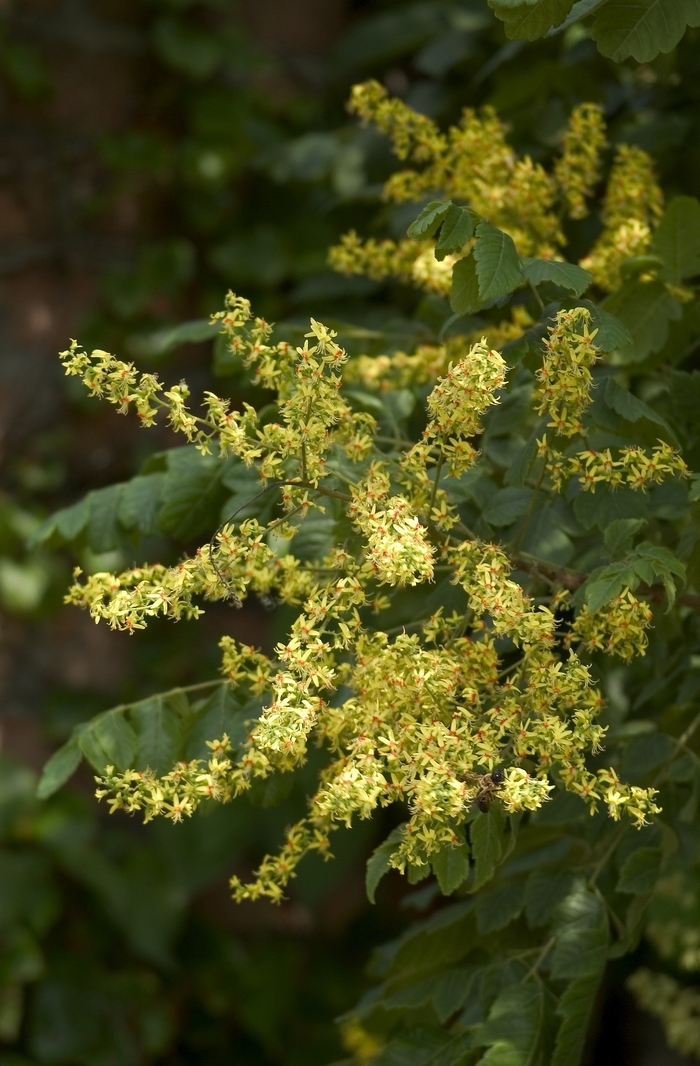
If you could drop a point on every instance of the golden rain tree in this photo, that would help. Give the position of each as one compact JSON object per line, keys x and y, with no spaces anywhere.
{"x":486,"y":540}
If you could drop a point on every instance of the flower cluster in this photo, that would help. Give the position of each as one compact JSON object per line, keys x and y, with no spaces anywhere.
{"x":419,"y":718}
{"x":577,"y":171}
{"x":618,"y":630}
{"x":564,"y":380}
{"x":635,"y":467}
{"x":633,"y":205}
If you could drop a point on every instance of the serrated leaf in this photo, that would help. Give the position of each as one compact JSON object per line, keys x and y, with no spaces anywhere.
{"x":464,"y":294}
{"x":59,"y":768}
{"x":497,"y":262}
{"x":581,"y":935}
{"x":645,"y":308}
{"x":631,"y":408}
{"x":677,"y":239}
{"x":605,"y":505}
{"x":451,"y":867}
{"x":378,"y":863}
{"x":191,"y":494}
{"x":543,"y":892}
{"x":429,"y":219}
{"x":574,"y":1009}
{"x":451,"y":991}
{"x":640,"y":871}
{"x":566,"y":275}
{"x":514,"y":1026}
{"x":164,"y":340}
{"x":486,"y":834}
{"x":103,"y":531}
{"x":425,"y":1048}
{"x":116,"y":738}
{"x":644,"y":754}
{"x":607,"y":582}
{"x":618,"y":535}
{"x":528,"y":21}
{"x":220,"y":714}
{"x":612,"y":334}
{"x":640,"y":28}
{"x":140,"y":503}
{"x":579,"y":11}
{"x":63,"y":526}
{"x":496,"y":909}
{"x":507,"y":505}
{"x":158,"y":728}
{"x":457,"y":229}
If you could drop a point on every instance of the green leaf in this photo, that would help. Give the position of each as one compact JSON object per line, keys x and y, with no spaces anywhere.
{"x":640,"y":871}
{"x":644,"y":754}
{"x":116,"y":738}
{"x":464,"y":294}
{"x":607,"y":582}
{"x":641,"y":28}
{"x":507,"y":505}
{"x":677,"y":239}
{"x":140,"y":503}
{"x":63,"y":526}
{"x":451,"y":867}
{"x":429,"y":219}
{"x":457,"y":229}
{"x":528,"y":21}
{"x":103,"y":531}
{"x":451,"y":991}
{"x":486,"y":833}
{"x":581,"y":934}
{"x":220,"y":714}
{"x":604,"y":506}
{"x":633,"y":409}
{"x":60,"y":767}
{"x":543,"y":892}
{"x":612,"y":334}
{"x":158,"y":727}
{"x":425,"y":1047}
{"x":566,"y":275}
{"x":646,"y":308}
{"x":191,"y":493}
{"x":574,"y":1009}
{"x":618,"y":535}
{"x":378,"y":863}
{"x":514,"y":1026}
{"x":496,"y":909}
{"x":497,"y":262}
{"x":164,"y":340}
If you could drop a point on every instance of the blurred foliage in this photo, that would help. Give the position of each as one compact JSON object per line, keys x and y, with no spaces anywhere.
{"x":245,"y":168}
